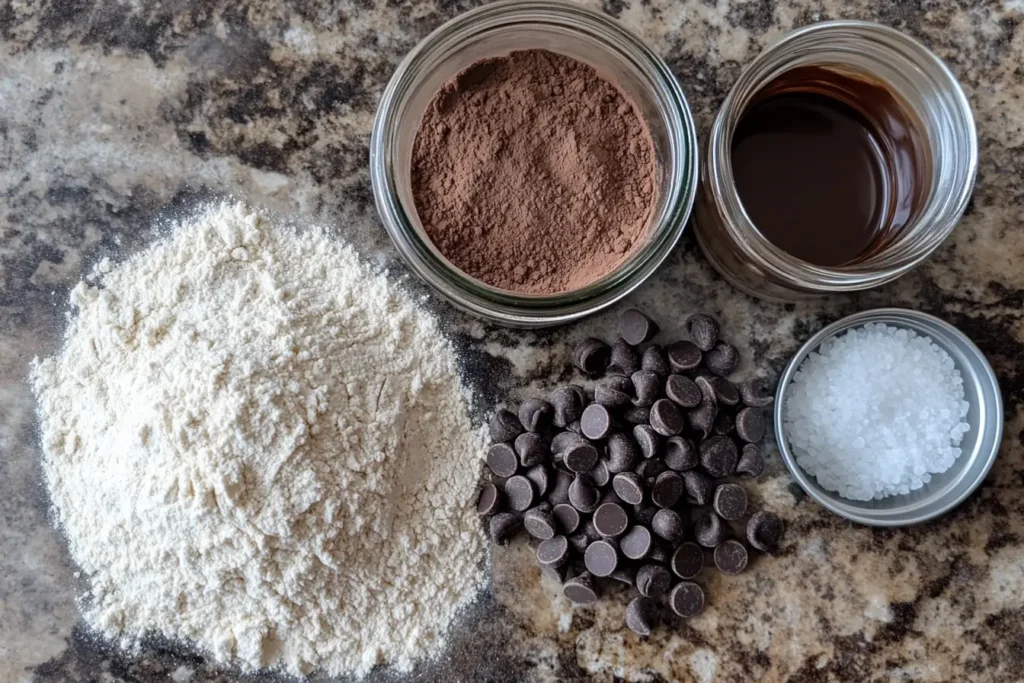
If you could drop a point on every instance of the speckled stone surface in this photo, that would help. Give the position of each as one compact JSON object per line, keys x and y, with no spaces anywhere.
{"x":114,"y":114}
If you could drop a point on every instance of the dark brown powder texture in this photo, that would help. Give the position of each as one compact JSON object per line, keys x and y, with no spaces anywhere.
{"x":533,"y":173}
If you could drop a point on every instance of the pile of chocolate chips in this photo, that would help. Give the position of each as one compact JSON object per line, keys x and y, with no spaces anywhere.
{"x":636,"y":482}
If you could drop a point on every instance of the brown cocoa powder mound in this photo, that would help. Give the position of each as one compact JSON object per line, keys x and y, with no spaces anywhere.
{"x":533,"y":173}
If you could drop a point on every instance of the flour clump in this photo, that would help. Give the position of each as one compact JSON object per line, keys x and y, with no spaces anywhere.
{"x":256,"y":445}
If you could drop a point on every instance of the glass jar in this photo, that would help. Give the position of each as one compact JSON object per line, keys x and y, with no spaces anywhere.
{"x":494,"y":30}
{"x":931,"y":95}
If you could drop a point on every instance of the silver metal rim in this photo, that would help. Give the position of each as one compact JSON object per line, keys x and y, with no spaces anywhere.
{"x":891,"y":315}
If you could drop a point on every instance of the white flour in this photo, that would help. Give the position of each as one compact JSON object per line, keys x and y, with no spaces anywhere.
{"x":255,"y":444}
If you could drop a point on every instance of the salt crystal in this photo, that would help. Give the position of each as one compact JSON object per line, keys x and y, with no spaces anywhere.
{"x":876,"y":412}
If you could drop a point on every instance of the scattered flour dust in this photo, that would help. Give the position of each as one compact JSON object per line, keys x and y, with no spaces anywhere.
{"x":256,"y":445}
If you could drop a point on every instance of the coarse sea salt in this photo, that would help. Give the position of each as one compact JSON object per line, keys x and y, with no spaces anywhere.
{"x":876,"y":412}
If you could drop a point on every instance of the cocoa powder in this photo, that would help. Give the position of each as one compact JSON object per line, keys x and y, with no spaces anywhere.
{"x":533,"y":173}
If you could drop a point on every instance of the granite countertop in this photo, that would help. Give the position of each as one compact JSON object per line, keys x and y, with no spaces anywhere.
{"x":115,"y":114}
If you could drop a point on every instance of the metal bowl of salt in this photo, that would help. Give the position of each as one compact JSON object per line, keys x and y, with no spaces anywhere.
{"x":980,"y":444}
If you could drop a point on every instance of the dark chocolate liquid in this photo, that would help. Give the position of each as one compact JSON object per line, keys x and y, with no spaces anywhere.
{"x":825,"y":165}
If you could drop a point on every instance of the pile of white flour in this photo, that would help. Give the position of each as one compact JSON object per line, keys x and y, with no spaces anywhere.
{"x":257,"y":445}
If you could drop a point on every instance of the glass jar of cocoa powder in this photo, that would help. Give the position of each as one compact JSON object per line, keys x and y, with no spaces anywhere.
{"x":828,"y":228}
{"x":495,"y":30}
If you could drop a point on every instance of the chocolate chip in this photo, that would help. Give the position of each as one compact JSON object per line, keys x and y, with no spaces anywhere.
{"x":601,"y":558}
{"x":643,"y":513}
{"x":750,"y":424}
{"x":680,"y":454}
{"x":626,"y":575}
{"x":519,"y":491}
{"x":539,"y":522}
{"x":751,"y":462}
{"x":723,"y":425}
{"x":505,"y":426}
{"x":718,"y":456}
{"x":608,"y":393}
{"x":726,"y":392}
{"x":610,"y":496}
{"x":668,"y":524}
{"x":666,"y":418}
{"x":636,"y":543}
{"x":730,"y":501}
{"x":709,"y":530}
{"x":640,"y":508}
{"x":621,"y":383}
{"x":623,"y":453}
{"x":682,"y":390}
{"x":731,"y":557}
{"x":722,"y":359}
{"x":553,"y":551}
{"x":636,"y":328}
{"x":560,"y":491}
{"x":489,"y":501}
{"x":646,"y":386}
{"x":687,"y":599}
{"x":706,"y":388}
{"x":636,"y":415}
{"x":562,"y":440}
{"x":566,"y":404}
{"x":591,"y":356}
{"x":642,"y":615}
{"x":535,"y":414}
{"x":653,"y":580}
{"x":624,"y":359}
{"x":610,"y":520}
{"x":541,"y":477}
{"x":648,"y":440}
{"x":660,"y":552}
{"x":567,"y":519}
{"x":583,"y":495}
{"x":502,"y":460}
{"x":702,"y":418}
{"x":596,"y":422}
{"x":704,"y":331}
{"x":756,"y":392}
{"x":654,"y":361}
{"x":628,"y":486}
{"x":764,"y":531}
{"x":600,"y":474}
{"x":580,"y":457}
{"x":683,"y":356}
{"x":531,"y":449}
{"x":699,"y":487}
{"x":580,"y":589}
{"x":649,"y":469}
{"x":687,"y":560}
{"x":503,"y":527}
{"x":667,"y":490}
{"x":579,"y":542}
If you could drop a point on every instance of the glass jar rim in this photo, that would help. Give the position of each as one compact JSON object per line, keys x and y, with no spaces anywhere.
{"x":860,"y":275}
{"x":463,"y":290}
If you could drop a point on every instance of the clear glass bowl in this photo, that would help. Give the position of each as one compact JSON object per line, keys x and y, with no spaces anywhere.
{"x":495,"y":30}
{"x":930,"y":92}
